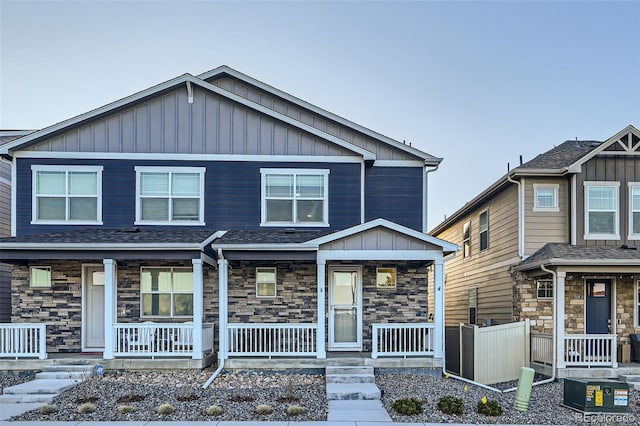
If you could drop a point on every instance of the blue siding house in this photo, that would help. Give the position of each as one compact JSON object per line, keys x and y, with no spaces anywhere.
{"x":216,"y":215}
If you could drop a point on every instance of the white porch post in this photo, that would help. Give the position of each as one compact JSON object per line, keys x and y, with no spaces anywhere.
{"x":559,"y":319}
{"x":438,"y":306}
{"x":110,"y":302}
{"x":223,"y":277}
{"x":320,"y":335}
{"x":197,"y":308}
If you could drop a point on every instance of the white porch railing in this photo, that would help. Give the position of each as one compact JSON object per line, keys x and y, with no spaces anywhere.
{"x":23,"y":340}
{"x":590,"y":350}
{"x":542,"y":348}
{"x":272,"y":339}
{"x":159,"y":339}
{"x":402,"y":339}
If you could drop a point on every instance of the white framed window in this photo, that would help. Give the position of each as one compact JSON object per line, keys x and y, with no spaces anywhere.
{"x":544,"y":288}
{"x":66,"y":195}
{"x":295,"y":197}
{"x":166,"y":292}
{"x":266,"y":282}
{"x":601,"y":210}
{"x":170,"y":196}
{"x":545,"y":197}
{"x":634,"y":211}
{"x":473,"y":305}
{"x":466,"y":239}
{"x":386,"y":277}
{"x":637,"y":305}
{"x":483,"y":229}
{"x":40,"y":276}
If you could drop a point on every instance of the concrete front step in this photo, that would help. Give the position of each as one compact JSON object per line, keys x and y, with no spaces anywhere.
{"x":73,"y":375}
{"x":348,"y":370}
{"x":371,"y":411}
{"x":43,"y":398}
{"x":41,"y":387}
{"x":352,"y":391}
{"x":629,"y":377}
{"x":350,"y":378}
{"x":89,"y":369}
{"x":341,"y":361}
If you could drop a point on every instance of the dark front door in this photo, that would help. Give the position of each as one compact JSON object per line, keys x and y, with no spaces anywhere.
{"x":598,"y":306}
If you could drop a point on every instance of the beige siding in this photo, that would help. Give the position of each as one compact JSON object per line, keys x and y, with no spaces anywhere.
{"x":543,"y":227}
{"x":487,"y":270}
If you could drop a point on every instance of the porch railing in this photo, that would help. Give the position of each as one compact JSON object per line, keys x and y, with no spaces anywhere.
{"x":590,"y":350}
{"x":271,"y":339}
{"x":402,"y":339}
{"x":542,"y":348}
{"x":23,"y":340}
{"x":159,"y":339}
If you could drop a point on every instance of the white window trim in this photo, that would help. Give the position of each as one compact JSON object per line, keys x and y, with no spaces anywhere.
{"x":275,"y":283}
{"x":537,"y":289}
{"x":162,"y":169}
{"x":35,"y":168}
{"x":31,"y":268}
{"x":616,"y":217}
{"x":555,"y":187}
{"x":395,"y":276}
{"x":480,"y":231}
{"x":172,"y":292}
{"x":630,"y":234}
{"x":466,"y":240}
{"x":263,"y":200}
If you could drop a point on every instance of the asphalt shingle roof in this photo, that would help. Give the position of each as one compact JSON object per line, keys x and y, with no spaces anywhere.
{"x":116,"y":236}
{"x":270,"y":236}
{"x":568,"y":252}
{"x":562,"y":155}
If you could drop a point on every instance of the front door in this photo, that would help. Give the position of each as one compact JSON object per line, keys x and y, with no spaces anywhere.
{"x":345,"y":308}
{"x":598,"y":306}
{"x":93,"y":318}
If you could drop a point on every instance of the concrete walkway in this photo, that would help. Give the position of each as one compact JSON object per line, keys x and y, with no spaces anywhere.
{"x":225,"y":423}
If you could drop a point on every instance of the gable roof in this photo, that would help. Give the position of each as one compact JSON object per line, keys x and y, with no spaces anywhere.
{"x":188,"y":79}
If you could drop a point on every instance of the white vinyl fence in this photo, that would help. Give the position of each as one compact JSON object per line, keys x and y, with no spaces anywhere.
{"x":272,"y":339}
{"x":402,"y":339}
{"x":23,"y":341}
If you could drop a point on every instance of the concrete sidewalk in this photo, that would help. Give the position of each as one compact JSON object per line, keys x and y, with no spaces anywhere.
{"x":219,"y":423}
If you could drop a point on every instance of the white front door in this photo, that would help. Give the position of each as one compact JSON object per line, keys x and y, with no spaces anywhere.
{"x":345,"y":308}
{"x":93,"y":317}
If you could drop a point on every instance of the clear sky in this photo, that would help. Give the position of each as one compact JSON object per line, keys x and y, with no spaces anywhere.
{"x":478,"y":83}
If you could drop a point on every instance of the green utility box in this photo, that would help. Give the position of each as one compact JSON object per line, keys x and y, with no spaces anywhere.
{"x":596,"y":396}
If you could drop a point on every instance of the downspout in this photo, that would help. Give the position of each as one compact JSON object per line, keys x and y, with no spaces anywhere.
{"x":222,"y":317}
{"x":12,"y":191}
{"x":425,"y":198}
{"x":520,"y":216}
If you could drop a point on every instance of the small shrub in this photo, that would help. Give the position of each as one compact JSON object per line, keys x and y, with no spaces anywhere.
{"x":124,"y":409}
{"x":408,"y":406}
{"x":295,"y":410}
{"x":48,"y":409}
{"x":166,"y":409}
{"x":214,"y":410}
{"x":490,"y":408}
{"x":264,"y":409}
{"x":451,"y":405}
{"x":87,"y":408}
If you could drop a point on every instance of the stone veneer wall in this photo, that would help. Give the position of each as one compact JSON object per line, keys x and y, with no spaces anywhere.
{"x":526,"y":305}
{"x":60,"y":306}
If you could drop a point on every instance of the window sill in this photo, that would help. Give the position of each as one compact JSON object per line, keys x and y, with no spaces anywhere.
{"x":546,"y":209}
{"x":169,"y":223}
{"x":294,"y":225}
{"x":634,"y":237}
{"x":613,"y":237}
{"x":63,"y":222}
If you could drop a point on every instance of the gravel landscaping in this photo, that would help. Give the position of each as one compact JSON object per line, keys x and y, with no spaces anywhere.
{"x":12,"y":380}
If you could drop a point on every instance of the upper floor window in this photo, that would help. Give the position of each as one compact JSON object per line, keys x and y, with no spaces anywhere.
{"x":166,"y":292}
{"x":295,"y":197}
{"x":483,"y":225}
{"x":545,"y":197}
{"x":634,"y":210}
{"x":173,"y":196}
{"x":67,"y":194}
{"x":466,"y":239}
{"x":601,"y":210}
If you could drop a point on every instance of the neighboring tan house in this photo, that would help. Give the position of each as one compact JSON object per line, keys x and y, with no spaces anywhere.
{"x":554,"y":241}
{"x":217,"y":214}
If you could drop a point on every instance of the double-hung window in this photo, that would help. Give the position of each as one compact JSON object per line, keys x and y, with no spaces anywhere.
{"x":483,"y":227}
{"x":166,"y":292}
{"x":545,"y":197}
{"x":295,"y":197}
{"x":466,"y":239}
{"x":173,"y":196}
{"x":634,"y":210}
{"x":601,"y":211}
{"x":67,"y":194}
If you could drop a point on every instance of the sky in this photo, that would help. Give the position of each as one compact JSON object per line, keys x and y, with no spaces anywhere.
{"x":477,"y":83}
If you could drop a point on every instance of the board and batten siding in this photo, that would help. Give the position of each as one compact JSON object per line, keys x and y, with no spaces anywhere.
{"x":275,"y":103}
{"x":487,"y":270}
{"x":542,"y":227}
{"x":395,"y":194}
{"x":623,"y":169}
{"x":378,"y":239}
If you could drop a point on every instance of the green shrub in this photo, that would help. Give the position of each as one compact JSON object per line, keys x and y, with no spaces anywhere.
{"x":264,"y":409}
{"x":490,"y":408}
{"x":48,"y":409}
{"x":408,"y":406}
{"x":451,"y":405}
{"x":214,"y":410}
{"x":166,"y":409}
{"x":87,"y":408}
{"x":295,"y":410}
{"x":124,"y":409}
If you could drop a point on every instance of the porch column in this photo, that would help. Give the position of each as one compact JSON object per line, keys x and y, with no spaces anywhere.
{"x":438,"y":306}
{"x":197,"y":308}
{"x":320,"y":335}
{"x":110,"y":302}
{"x":559,"y":319}
{"x":223,"y":277}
